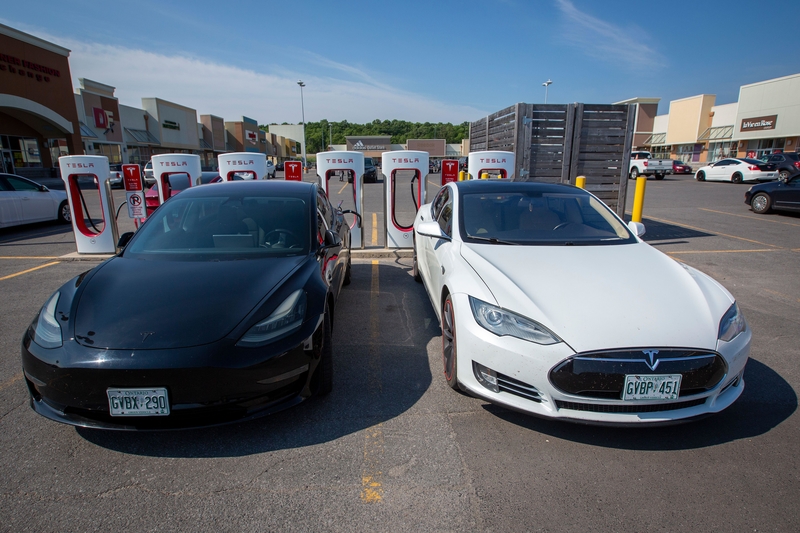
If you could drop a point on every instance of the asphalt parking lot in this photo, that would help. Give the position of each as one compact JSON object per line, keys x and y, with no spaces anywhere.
{"x":393,"y":449}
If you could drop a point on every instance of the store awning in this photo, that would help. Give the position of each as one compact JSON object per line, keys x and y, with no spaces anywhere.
{"x":718,"y":133}
{"x":656,"y":139}
{"x":143,"y":136}
{"x":205,"y":146}
{"x":86,"y":131}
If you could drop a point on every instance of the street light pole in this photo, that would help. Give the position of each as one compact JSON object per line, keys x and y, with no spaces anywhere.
{"x":303,"y":109}
{"x":546,"y":85}
{"x":330,"y":135}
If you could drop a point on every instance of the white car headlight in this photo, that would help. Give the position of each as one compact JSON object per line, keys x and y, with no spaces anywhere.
{"x":46,"y":329}
{"x":732,"y":324}
{"x":502,"y":322}
{"x":287,"y":318}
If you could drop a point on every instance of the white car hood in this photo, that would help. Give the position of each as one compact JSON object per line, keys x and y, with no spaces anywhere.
{"x":604,"y":297}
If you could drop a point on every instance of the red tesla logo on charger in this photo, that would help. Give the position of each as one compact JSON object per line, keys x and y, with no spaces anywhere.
{"x":449,"y":171}
{"x":293,"y":170}
{"x":132,"y":178}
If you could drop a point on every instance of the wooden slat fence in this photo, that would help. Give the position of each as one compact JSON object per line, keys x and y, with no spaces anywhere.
{"x":556,"y":143}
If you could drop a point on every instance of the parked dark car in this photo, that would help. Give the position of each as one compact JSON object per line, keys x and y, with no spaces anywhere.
{"x":787,"y":163}
{"x":279,"y":166}
{"x":370,"y":171}
{"x":679,"y":167}
{"x":242,"y":281}
{"x":783,"y":194}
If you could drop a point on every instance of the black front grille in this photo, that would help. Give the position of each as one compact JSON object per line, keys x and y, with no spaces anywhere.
{"x":602,"y":374}
{"x":628,"y":408}
{"x":518,"y":388}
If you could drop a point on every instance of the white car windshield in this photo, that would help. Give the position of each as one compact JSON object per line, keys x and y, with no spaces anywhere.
{"x":540,"y":218}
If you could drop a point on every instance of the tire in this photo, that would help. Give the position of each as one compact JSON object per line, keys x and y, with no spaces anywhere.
{"x":347,"y":270}
{"x":700,"y":176}
{"x":760,"y":203}
{"x":415,"y":266}
{"x":736,"y":178}
{"x":634,"y":173}
{"x":783,"y":174}
{"x":64,"y":214}
{"x":659,"y":176}
{"x":449,"y":356}
{"x":324,"y":373}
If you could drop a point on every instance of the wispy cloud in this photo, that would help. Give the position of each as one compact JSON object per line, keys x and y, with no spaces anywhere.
{"x":344,"y":92}
{"x":606,"y":41}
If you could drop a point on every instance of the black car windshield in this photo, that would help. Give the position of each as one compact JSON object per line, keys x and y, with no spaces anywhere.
{"x":540,"y":218}
{"x":224,"y":227}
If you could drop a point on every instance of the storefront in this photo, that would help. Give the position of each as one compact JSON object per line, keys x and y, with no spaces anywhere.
{"x":38,"y":117}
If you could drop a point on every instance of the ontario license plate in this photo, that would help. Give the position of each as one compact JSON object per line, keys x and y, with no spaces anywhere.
{"x":138,"y":402}
{"x":651,"y":387}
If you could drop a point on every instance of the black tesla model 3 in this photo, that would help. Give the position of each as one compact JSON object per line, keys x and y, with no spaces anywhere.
{"x":219,"y":309}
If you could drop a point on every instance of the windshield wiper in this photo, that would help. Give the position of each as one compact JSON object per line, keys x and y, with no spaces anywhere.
{"x":492,"y":240}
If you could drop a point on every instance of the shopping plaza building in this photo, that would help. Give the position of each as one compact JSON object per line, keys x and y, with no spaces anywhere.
{"x":765,"y":120}
{"x":42,"y":117}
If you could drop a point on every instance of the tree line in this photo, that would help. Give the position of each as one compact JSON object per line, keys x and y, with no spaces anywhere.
{"x":318,"y":133}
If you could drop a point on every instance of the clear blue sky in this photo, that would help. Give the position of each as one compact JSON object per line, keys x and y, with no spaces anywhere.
{"x":419,"y":61}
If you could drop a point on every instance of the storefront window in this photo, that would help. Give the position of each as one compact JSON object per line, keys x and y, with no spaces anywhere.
{"x":763,"y":148}
{"x":23,"y":150}
{"x":112,"y":151}
{"x":660,"y":152}
{"x":719,"y":150}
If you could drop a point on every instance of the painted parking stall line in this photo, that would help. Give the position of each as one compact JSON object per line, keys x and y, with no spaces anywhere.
{"x":29,"y":270}
{"x":372,"y":476}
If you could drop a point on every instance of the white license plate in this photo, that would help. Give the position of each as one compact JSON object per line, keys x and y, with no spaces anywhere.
{"x":652,"y":387}
{"x":138,"y":402}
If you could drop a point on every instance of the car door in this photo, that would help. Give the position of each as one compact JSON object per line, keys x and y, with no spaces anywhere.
{"x":787,"y":195}
{"x":441,"y":248}
{"x":332,"y":262}
{"x":10,"y":210}
{"x":425,"y":245}
{"x":720,"y":170}
{"x":36,"y":205}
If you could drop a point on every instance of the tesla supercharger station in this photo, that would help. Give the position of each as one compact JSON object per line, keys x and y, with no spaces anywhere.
{"x":493,"y":162}
{"x":329,"y":163}
{"x":166,"y":165}
{"x":242,"y":163}
{"x":397,"y":168}
{"x":90,"y":238}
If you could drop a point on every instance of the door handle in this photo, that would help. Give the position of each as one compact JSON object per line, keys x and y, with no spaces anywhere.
{"x":442,"y":270}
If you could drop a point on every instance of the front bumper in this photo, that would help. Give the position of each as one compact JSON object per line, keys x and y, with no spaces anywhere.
{"x":523,"y":370}
{"x":206,"y":385}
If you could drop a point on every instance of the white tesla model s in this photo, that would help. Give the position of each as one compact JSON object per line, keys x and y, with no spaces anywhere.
{"x":551,"y":305}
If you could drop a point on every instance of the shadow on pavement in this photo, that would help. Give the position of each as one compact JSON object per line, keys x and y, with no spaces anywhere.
{"x":660,"y":231}
{"x":766,"y":402}
{"x":380,"y":370}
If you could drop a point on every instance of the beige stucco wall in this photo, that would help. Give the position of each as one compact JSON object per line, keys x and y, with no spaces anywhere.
{"x":688,"y":118}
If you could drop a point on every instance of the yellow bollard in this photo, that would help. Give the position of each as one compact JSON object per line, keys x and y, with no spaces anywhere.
{"x":461,"y":175}
{"x":485,"y":176}
{"x":580,"y":182}
{"x":638,"y":199}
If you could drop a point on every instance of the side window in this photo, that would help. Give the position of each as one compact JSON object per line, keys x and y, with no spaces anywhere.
{"x":323,"y":215}
{"x":440,"y":200}
{"x":446,"y":218}
{"x":21,"y":185}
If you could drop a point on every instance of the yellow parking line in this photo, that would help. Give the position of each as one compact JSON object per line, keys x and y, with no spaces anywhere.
{"x":343,"y":188}
{"x":29,"y":257}
{"x":714,"y":232}
{"x":11,"y":381}
{"x":29,"y":270}
{"x":723,"y":251}
{"x":372,"y":476}
{"x":374,"y":229}
{"x":760,"y":218}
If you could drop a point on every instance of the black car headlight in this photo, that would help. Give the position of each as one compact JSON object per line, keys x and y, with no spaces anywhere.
{"x":502,"y":322}
{"x":45,"y":329}
{"x":286,"y":319}
{"x":732,"y":324}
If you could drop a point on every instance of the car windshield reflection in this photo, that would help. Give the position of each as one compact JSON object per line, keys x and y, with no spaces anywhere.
{"x":239,"y":227}
{"x":540,"y":219}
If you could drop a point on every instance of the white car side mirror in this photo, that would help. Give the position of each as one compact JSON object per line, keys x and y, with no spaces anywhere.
{"x":431,"y":229}
{"x":637,"y":228}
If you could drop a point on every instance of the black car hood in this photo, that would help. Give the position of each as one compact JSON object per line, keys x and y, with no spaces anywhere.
{"x":143,"y":305}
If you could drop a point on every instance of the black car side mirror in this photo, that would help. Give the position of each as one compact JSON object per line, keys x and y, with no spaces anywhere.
{"x":124,"y":239}
{"x":332,"y":239}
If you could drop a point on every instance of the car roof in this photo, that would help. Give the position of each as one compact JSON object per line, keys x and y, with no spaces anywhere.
{"x":506,"y":185}
{"x":253,"y":187}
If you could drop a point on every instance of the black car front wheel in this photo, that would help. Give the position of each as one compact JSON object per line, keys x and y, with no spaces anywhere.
{"x":324,"y":373}
{"x":760,"y":203}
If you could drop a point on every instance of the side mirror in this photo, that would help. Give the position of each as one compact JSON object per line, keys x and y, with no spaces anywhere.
{"x":331,"y":240}
{"x":431,"y":229}
{"x":637,"y":228}
{"x":43,"y":188}
{"x":124,"y":239}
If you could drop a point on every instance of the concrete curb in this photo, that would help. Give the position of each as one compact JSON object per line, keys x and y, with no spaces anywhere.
{"x":368,"y":253}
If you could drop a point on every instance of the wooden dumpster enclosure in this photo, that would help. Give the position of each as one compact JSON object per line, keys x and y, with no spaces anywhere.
{"x":555,"y":143}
